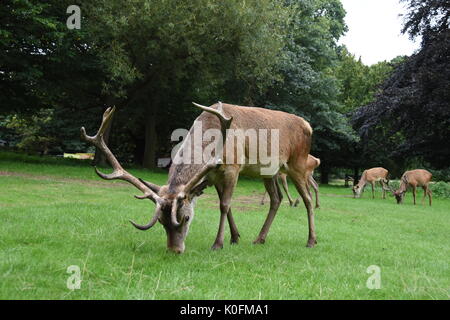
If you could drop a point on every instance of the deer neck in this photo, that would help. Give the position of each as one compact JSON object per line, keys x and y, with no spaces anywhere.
{"x":403,"y":187}
{"x":180,"y":174}
{"x":362,"y":182}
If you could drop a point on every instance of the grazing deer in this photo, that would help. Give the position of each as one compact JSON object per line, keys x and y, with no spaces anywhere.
{"x":175,"y":201}
{"x":312,"y":163}
{"x":414,"y":179}
{"x":371,"y":176}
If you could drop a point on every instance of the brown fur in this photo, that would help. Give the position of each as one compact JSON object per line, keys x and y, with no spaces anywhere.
{"x":371,"y":176}
{"x":414,"y":179}
{"x":175,"y":200}
{"x":311,"y":164}
{"x":295,"y":142}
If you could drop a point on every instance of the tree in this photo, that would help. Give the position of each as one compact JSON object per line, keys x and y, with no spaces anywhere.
{"x":410,"y":118}
{"x":309,"y":87}
{"x":47,"y":68}
{"x":160,"y":55}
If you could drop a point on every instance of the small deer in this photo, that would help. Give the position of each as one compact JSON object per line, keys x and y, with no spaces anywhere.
{"x":414,"y":179}
{"x":312,"y":163}
{"x":371,"y":176}
{"x":175,"y":201}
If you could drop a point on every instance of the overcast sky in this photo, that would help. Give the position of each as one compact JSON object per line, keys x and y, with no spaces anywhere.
{"x":374,"y":30}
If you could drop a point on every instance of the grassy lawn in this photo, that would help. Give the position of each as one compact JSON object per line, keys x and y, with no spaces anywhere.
{"x":56,"y":214}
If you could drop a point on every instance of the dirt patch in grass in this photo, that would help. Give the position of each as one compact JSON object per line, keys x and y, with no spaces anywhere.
{"x":105,"y":184}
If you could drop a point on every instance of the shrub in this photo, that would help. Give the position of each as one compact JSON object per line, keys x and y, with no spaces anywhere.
{"x":441,"y":175}
{"x":440,"y":189}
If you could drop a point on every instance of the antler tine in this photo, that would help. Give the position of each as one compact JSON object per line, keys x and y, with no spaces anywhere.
{"x":225,"y":124}
{"x":118,"y":171}
{"x":152,"y":186}
{"x":173,"y":213}
{"x":224,"y":121}
{"x":152,"y":221}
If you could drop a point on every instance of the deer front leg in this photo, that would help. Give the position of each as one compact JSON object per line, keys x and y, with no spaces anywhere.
{"x":225,"y":187}
{"x":414,"y":194}
{"x":263,"y":198}
{"x":276,"y":196}
{"x":233,"y":228}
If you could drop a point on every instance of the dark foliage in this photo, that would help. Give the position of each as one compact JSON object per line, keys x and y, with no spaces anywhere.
{"x":411,"y":116}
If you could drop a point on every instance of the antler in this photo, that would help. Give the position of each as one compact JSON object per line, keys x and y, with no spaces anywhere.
{"x":224,"y":121}
{"x":120,"y":173}
{"x":225,"y":124}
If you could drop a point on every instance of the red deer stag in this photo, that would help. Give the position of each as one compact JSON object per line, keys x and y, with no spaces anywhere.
{"x":414,"y":179}
{"x":175,"y":201}
{"x":312,"y":163}
{"x":371,"y":176}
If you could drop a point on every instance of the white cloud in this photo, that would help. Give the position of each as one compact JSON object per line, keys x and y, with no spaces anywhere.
{"x":375,"y":30}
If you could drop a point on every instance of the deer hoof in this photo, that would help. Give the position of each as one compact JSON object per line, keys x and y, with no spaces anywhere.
{"x":217,"y":246}
{"x":259,"y":241}
{"x":234,"y":241}
{"x":311,"y":243}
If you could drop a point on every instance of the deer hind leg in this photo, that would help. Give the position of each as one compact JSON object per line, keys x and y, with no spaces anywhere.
{"x":301,"y":184}
{"x":425,"y":193}
{"x":428,"y":191}
{"x":274,"y":191}
{"x":284,"y":183}
{"x":373,"y":189}
{"x":315,"y":187}
{"x":225,"y":190}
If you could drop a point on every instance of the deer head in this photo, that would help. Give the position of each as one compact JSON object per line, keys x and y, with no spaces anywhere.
{"x":400,"y":193}
{"x":357,"y":191}
{"x":174,"y":207}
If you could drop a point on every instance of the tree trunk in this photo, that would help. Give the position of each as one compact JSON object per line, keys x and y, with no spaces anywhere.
{"x":355,"y":176}
{"x":151,"y":139}
{"x":324,"y":175}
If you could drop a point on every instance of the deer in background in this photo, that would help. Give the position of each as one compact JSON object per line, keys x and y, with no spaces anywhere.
{"x":175,"y":201}
{"x":371,"y":176}
{"x":414,"y":179}
{"x":312,"y":163}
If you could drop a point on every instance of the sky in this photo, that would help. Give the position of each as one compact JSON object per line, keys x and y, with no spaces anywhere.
{"x":374,"y":30}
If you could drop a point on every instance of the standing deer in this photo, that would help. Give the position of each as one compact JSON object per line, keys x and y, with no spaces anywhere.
{"x":175,"y":201}
{"x":414,"y":179}
{"x":371,"y":176}
{"x":312,"y":163}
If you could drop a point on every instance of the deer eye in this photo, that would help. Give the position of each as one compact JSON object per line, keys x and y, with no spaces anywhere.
{"x":187,"y":218}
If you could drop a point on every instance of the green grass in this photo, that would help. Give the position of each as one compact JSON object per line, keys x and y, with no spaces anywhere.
{"x":54,"y":215}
